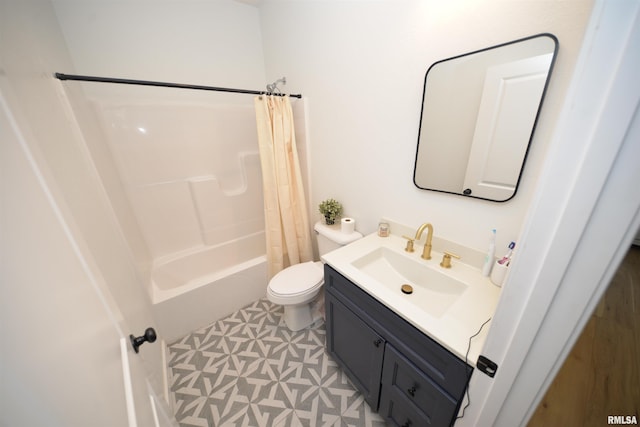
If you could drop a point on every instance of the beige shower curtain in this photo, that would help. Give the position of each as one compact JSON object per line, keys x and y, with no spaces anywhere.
{"x":286,"y":219}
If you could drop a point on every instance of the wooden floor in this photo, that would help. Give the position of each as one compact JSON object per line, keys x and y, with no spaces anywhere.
{"x":601,"y":376}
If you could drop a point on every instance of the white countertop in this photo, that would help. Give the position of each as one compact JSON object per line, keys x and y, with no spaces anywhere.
{"x":457,"y":324}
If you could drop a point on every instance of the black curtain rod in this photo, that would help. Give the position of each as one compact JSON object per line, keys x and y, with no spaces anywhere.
{"x":62,"y":76}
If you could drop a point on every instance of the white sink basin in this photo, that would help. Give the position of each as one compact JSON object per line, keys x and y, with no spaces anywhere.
{"x":433,"y":291}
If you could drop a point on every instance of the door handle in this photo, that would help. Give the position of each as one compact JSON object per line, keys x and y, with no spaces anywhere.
{"x":149,"y":336}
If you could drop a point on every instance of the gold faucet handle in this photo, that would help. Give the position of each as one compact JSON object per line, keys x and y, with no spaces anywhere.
{"x":409,"y":247}
{"x":446,"y":259}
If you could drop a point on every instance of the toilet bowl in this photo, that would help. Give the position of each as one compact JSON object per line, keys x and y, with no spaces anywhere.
{"x":294,"y":288}
{"x":297,"y":286}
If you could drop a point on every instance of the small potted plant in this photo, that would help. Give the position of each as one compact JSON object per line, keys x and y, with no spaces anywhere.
{"x":331,"y":209}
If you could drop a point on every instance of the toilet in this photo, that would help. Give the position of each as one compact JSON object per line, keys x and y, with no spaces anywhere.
{"x":296,"y":286}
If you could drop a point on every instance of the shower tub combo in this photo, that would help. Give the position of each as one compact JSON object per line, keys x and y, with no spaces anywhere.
{"x":193,"y":177}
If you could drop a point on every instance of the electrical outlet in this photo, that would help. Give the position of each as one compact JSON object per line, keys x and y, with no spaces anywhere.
{"x":487,"y":366}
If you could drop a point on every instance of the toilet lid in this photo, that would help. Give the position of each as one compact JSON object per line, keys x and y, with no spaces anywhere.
{"x":297,"y":279}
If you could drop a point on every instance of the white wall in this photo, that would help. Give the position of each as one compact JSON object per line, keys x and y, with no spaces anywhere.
{"x":216,"y":43}
{"x":361,"y":67}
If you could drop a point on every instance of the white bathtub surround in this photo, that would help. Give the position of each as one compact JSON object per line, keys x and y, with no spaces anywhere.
{"x":226,"y":213}
{"x":191,"y":269}
{"x":191,"y":170}
{"x":197,"y":287}
{"x":285,"y":206}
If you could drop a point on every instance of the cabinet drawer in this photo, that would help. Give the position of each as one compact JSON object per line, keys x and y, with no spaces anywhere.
{"x":398,"y":411}
{"x":405,"y":385}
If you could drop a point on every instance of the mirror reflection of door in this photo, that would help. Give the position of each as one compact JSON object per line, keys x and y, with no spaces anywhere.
{"x":510,"y":99}
{"x":478,"y":116}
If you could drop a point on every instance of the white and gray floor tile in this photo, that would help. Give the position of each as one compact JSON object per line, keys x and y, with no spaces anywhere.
{"x":248,"y":369}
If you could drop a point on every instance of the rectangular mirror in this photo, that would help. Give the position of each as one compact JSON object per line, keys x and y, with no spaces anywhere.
{"x":479,"y":112}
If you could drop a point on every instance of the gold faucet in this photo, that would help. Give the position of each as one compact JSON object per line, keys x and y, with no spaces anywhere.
{"x":426,"y":252}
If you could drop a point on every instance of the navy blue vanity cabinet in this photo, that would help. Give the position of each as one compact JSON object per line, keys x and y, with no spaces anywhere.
{"x":406,"y":376}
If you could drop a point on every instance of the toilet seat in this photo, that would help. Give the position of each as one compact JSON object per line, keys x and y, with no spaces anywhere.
{"x":297,"y":280}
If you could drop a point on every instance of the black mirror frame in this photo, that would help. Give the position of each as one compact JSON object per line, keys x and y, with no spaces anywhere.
{"x":535,"y":122}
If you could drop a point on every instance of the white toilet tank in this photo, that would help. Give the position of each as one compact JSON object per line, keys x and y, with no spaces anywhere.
{"x":330,"y":237}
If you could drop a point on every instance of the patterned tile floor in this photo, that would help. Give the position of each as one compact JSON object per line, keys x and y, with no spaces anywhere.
{"x":248,"y":369}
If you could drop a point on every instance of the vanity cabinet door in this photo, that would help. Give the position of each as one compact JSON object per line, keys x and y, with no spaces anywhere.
{"x":356,"y":347}
{"x":409,"y":397}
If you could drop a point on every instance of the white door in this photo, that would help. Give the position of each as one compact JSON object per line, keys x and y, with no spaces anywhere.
{"x":510,"y":100}
{"x":63,"y":350}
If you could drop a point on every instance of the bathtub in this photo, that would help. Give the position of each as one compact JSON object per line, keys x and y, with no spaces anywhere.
{"x":195,"y":288}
